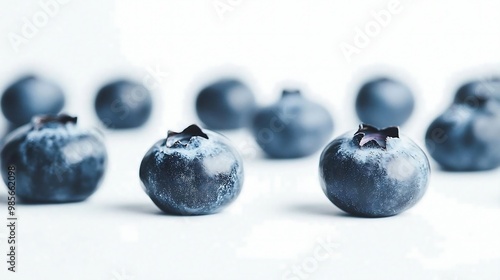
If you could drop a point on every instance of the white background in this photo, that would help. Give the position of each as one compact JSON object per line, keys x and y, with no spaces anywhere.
{"x":282,"y":218}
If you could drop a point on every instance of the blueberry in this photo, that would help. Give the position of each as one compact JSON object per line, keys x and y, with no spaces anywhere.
{"x":30,"y":96}
{"x":293,"y":127}
{"x":473,"y":92}
{"x":193,"y":172}
{"x":123,"y":104}
{"x":384,"y":102}
{"x":225,"y":104}
{"x":55,"y":160}
{"x":374,"y":173}
{"x":466,"y":136}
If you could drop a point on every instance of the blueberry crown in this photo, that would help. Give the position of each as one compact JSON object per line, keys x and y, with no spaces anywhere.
{"x":478,"y":99}
{"x":40,"y":121}
{"x":368,"y":135}
{"x":183,"y":138}
{"x":479,"y":93}
{"x":290,"y":92}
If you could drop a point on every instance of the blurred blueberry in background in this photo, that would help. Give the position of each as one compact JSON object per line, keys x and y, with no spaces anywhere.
{"x":292,"y":127}
{"x":384,"y":102}
{"x":225,"y":104}
{"x":466,"y":137}
{"x":30,"y":96}
{"x":123,"y":104}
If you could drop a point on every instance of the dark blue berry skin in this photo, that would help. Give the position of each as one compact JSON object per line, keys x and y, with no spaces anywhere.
{"x":466,"y":136}
{"x":123,"y":104}
{"x":194,"y":172}
{"x":30,"y":96}
{"x":475,"y":92}
{"x":225,"y":104}
{"x":384,"y":102}
{"x":56,"y":161}
{"x":293,"y":127}
{"x":374,"y":173}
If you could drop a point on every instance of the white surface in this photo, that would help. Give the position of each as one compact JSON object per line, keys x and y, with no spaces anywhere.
{"x":282,"y":217}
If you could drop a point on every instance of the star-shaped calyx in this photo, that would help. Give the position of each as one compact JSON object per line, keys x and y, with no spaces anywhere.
{"x":368,"y":135}
{"x":290,"y":92}
{"x":183,"y":138}
{"x":40,"y":121}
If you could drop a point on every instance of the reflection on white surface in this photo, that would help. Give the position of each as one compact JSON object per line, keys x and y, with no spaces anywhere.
{"x":469,"y":233}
